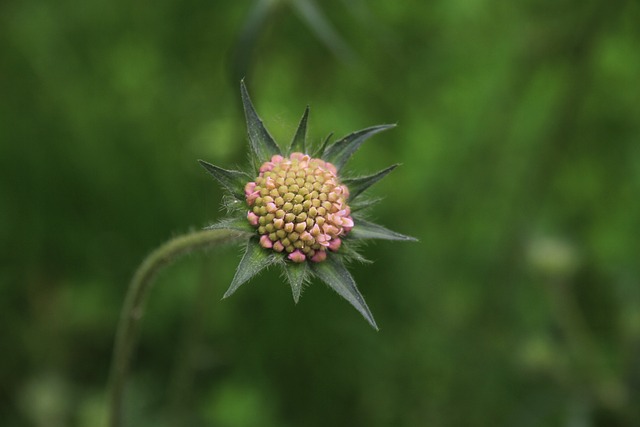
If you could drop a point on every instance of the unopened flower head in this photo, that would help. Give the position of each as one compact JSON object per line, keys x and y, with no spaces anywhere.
{"x":299,"y":207}
{"x":297,"y":212}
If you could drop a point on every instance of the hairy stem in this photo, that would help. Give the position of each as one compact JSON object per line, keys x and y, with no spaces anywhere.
{"x":134,"y":303}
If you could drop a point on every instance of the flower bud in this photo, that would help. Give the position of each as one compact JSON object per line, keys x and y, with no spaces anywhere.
{"x":299,"y":207}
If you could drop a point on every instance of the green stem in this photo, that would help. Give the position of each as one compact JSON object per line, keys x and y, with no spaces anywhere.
{"x":134,"y":303}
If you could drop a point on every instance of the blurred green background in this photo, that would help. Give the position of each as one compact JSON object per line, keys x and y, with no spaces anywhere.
{"x":519,"y":134}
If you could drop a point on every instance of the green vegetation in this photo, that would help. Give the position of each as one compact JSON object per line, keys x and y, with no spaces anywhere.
{"x":519,"y":139}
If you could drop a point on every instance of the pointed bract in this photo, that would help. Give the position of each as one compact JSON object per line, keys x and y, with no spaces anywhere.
{"x":299,"y":142}
{"x":262,"y":144}
{"x":323,"y":146}
{"x":237,"y":224}
{"x":337,"y":277}
{"x":350,"y":253}
{"x":357,"y":185}
{"x":363,"y":203}
{"x":255,"y":260}
{"x":341,"y":151}
{"x":368,"y":230}
{"x":232,"y":181}
{"x":297,"y":274}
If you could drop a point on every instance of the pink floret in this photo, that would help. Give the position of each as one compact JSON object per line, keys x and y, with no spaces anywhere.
{"x":297,"y":256}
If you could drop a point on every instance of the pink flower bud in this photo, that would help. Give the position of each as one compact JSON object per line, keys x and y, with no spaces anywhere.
{"x":297,"y":256}
{"x":249,"y":188}
{"x":266,"y":167}
{"x":335,"y":243}
{"x":253,"y":218}
{"x":265,"y":242}
{"x":323,"y":239}
{"x":319,"y":256}
{"x":347,"y":222}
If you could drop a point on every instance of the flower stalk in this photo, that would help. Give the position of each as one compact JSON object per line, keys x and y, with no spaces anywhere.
{"x":137,"y":293}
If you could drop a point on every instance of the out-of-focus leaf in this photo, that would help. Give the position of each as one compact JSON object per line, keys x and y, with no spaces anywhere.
{"x":333,"y":272}
{"x":357,"y":185}
{"x":299,"y":142}
{"x":262,"y":144}
{"x":296,"y":274}
{"x":322,"y":28}
{"x":255,"y":260}
{"x":249,"y":34}
{"x":368,"y":230}
{"x":232,"y":181}
{"x":341,"y":151}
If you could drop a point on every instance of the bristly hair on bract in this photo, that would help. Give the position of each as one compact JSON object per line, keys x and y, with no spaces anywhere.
{"x":297,"y":210}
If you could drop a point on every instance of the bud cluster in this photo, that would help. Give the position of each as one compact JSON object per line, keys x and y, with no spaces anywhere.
{"x":299,"y":206}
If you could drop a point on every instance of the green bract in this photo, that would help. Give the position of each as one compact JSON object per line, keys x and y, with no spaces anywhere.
{"x":296,"y":210}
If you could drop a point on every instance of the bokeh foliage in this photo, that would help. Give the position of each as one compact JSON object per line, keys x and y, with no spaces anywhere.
{"x":520,"y":143}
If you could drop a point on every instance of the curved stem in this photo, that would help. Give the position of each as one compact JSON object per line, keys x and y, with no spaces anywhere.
{"x":134,"y":303}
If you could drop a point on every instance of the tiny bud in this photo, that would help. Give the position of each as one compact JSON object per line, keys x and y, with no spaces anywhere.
{"x":266,"y":167}
{"x":334,"y":244}
{"x":265,"y":242}
{"x":278,"y":247}
{"x":323,"y":239}
{"x":319,"y":256}
{"x":253,"y":218}
{"x":347,"y":222}
{"x":269,"y":184}
{"x":297,"y":256}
